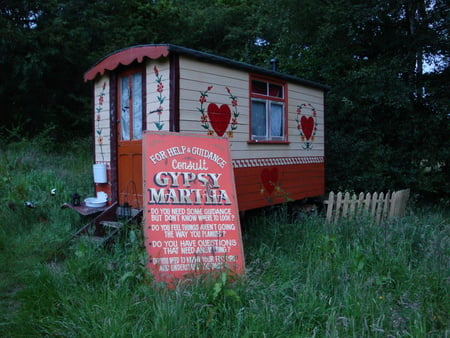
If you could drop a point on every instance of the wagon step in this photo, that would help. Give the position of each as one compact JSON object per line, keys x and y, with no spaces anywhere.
{"x":97,"y":240}
{"x":102,"y":228}
{"x":111,"y":224}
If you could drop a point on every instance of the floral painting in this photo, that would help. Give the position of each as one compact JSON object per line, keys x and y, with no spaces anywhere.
{"x":307,"y":124}
{"x":159,"y":89}
{"x":218,"y":119}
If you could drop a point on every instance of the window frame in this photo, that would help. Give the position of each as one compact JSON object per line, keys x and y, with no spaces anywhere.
{"x":268,"y":100}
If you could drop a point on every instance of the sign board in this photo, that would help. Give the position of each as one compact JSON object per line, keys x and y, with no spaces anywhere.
{"x":191,"y":221}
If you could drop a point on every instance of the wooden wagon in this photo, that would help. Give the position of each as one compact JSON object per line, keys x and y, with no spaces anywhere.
{"x":274,"y":122}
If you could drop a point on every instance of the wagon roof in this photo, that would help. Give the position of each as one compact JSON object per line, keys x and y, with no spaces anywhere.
{"x":155,"y":51}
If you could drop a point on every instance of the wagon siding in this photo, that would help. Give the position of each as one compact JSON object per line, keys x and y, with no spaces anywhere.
{"x":282,"y":172}
{"x":102,"y":122}
{"x":258,"y":186}
{"x":196,"y":78}
{"x":158,"y":73}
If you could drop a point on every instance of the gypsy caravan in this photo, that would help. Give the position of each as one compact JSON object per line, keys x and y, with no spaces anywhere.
{"x":274,"y":122}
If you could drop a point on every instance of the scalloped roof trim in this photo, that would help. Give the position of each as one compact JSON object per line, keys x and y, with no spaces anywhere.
{"x":126,"y":57}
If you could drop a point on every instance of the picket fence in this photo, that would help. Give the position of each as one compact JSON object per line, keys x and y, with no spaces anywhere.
{"x":378,"y":205}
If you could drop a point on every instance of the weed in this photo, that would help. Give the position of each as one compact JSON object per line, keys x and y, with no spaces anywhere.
{"x":304,"y":278}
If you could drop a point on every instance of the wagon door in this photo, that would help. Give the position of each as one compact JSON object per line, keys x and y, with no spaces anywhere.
{"x":129,"y":137}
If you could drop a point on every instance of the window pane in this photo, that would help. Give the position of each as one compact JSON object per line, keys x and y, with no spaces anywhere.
{"x":276,"y":120}
{"x":125,"y":109}
{"x":137,"y":106}
{"x":259,"y":120}
{"x":259,"y":87}
{"x":275,"y":90}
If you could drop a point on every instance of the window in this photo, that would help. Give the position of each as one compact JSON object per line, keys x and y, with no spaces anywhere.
{"x":130,"y":102}
{"x":268,"y":118}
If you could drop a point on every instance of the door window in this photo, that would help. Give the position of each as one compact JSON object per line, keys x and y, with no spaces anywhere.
{"x":130,"y":107}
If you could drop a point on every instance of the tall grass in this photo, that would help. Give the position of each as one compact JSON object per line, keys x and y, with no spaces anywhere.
{"x":303,"y":278}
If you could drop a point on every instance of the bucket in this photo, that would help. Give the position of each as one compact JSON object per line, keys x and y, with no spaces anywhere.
{"x":100,"y":173}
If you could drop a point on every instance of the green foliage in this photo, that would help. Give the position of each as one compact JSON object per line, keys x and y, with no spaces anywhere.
{"x":303,"y":278}
{"x":354,"y":272}
{"x":382,"y":124}
{"x":387,"y":121}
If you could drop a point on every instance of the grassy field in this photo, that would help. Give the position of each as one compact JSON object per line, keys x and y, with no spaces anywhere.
{"x":303,"y":278}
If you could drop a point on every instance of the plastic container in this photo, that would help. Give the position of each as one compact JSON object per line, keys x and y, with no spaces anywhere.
{"x":100,"y":173}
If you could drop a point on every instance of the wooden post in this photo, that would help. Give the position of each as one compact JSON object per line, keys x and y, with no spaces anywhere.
{"x":330,"y":203}
{"x":337,"y":215}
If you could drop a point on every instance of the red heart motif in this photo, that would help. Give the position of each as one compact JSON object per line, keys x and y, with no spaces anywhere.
{"x":219,"y":117}
{"x":269,"y":178}
{"x":307,"y":124}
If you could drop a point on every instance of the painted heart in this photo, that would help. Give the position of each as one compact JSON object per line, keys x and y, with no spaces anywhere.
{"x":307,"y":124}
{"x":219,"y":117}
{"x":269,"y":178}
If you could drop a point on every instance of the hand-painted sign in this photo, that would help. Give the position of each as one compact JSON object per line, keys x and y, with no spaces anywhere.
{"x":191,"y":221}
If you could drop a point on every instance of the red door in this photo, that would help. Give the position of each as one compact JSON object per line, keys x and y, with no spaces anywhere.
{"x":129,"y":131}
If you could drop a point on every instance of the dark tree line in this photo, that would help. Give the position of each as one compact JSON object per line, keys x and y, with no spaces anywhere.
{"x":387,"y":63}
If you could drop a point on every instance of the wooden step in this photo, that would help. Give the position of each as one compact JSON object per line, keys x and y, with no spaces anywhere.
{"x":111,"y":224}
{"x":132,"y":212}
{"x":95,"y":239}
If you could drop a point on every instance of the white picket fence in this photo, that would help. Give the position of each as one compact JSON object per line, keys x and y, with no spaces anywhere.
{"x":379,"y":205}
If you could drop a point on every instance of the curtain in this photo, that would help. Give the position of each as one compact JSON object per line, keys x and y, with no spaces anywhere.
{"x":259,"y":121}
{"x":276,"y":119}
{"x":125,"y":109}
{"x":137,"y":106}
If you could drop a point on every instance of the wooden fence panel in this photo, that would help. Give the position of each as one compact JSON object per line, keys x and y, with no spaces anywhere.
{"x":330,"y":207}
{"x":378,"y":205}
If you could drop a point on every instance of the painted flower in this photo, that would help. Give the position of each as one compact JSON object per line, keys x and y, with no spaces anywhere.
{"x":310,"y":113}
{"x":204,"y":118}
{"x":159,"y":89}
{"x":99,"y":109}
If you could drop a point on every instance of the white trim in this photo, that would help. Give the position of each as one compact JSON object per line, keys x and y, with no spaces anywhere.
{"x":264,"y":162}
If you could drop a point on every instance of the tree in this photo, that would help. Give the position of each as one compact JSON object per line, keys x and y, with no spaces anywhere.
{"x":46,"y":46}
{"x":387,"y":121}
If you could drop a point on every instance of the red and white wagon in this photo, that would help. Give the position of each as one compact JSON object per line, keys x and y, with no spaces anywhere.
{"x":274,"y":122}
